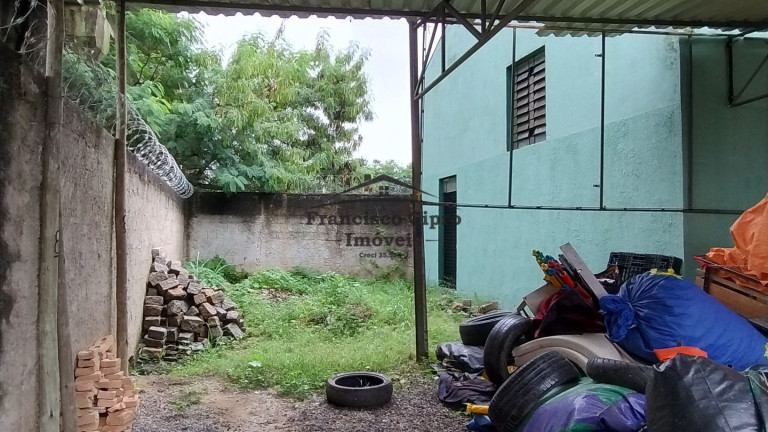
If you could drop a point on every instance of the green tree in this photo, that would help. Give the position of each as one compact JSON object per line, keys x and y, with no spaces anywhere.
{"x":390,"y":168}
{"x":273,"y":118}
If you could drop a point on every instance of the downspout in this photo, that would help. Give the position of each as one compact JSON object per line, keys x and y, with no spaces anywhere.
{"x":602,"y":120}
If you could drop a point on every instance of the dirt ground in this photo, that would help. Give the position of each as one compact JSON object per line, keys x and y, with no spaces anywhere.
{"x":205,"y":404}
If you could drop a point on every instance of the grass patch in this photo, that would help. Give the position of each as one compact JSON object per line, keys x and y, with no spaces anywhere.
{"x":330,"y":323}
{"x":186,"y":399}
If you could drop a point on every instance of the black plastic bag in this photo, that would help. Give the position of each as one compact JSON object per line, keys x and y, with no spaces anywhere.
{"x":698,"y":394}
{"x":456,"y":355}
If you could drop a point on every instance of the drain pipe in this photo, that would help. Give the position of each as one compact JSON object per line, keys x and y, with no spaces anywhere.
{"x":602,"y":120}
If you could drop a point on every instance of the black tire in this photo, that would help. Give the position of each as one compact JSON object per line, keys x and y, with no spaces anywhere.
{"x":508,"y":333}
{"x":474,"y":331}
{"x":527,"y":385}
{"x":624,"y":374}
{"x":358,"y":389}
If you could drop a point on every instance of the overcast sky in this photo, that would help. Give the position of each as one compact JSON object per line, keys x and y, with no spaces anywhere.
{"x":388,"y":135}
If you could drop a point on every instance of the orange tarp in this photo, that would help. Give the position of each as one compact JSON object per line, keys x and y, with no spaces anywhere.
{"x":750,"y":239}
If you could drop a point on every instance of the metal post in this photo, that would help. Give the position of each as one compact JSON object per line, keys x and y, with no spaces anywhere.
{"x":419,"y":284}
{"x":602,"y":119}
{"x":511,"y":96}
{"x":49,"y":407}
{"x":121,"y":237}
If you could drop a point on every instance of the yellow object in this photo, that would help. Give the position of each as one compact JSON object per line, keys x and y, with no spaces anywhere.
{"x":477,"y":409}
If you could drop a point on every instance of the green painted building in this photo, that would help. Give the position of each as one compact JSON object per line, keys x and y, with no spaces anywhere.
{"x":678,"y":161}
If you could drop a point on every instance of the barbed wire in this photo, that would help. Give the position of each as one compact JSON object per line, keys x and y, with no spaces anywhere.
{"x":93,"y":88}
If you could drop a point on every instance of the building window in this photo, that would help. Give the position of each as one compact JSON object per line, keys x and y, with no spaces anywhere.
{"x":528,"y":100}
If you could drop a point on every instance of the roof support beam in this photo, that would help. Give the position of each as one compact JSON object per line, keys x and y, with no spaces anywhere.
{"x":462,"y":20}
{"x":485,"y":37}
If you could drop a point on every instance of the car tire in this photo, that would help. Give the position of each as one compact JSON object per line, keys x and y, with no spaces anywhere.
{"x":525,"y":388}
{"x":358,"y":389}
{"x":508,"y":333}
{"x":474,"y":331}
{"x":623,"y":374}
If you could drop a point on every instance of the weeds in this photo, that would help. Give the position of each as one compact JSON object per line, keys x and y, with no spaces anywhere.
{"x":186,"y":399}
{"x":332,"y":324}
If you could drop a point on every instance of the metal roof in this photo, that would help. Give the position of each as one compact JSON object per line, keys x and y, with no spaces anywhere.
{"x":613,"y":14}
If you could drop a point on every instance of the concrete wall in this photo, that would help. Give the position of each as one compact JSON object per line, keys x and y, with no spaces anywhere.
{"x":155,"y":218}
{"x":465,"y":134}
{"x":256,"y":231}
{"x":729,"y":146}
{"x":21,"y":94}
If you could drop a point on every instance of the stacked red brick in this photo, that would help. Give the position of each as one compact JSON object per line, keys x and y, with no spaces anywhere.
{"x":105,"y":398}
{"x":181,"y":314}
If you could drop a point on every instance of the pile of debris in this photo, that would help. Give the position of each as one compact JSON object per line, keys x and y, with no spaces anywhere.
{"x":182,"y":314}
{"x":105,"y":398}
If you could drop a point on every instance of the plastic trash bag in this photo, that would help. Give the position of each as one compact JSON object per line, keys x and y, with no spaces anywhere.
{"x":750,"y":240}
{"x":480,"y":423}
{"x":697,"y":394}
{"x":589,"y":407}
{"x":456,"y":355}
{"x":654,"y":311}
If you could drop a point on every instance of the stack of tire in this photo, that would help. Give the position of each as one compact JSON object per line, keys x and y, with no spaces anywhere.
{"x":499,"y":333}
{"x":522,"y":390}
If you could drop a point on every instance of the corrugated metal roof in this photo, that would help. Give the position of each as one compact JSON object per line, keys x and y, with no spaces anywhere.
{"x":598,"y":14}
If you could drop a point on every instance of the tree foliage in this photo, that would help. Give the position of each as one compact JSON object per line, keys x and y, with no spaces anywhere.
{"x":270,"y":118}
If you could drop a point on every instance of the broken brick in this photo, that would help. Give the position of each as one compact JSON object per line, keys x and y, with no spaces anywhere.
{"x":171,"y":334}
{"x":159,"y":268}
{"x":151,"y":292}
{"x":153,"y":343}
{"x":157,"y":333}
{"x":228,"y":304}
{"x":176,"y":307}
{"x":154,"y":300}
{"x":120,"y":418}
{"x":200,"y":298}
{"x":214,"y":321}
{"x":194,"y":311}
{"x":217,"y":298}
{"x":177,"y":293}
{"x":169,"y":283}
{"x":194,"y":287}
{"x":174,"y":320}
{"x":234,"y":330}
{"x":232,"y":315}
{"x":153,"y":310}
{"x":150,"y":321}
{"x":85,"y":355}
{"x":207,"y":310}
{"x":111,"y":363}
{"x":155,"y":278}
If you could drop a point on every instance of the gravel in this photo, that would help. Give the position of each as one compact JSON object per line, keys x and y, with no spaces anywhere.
{"x":205,"y":404}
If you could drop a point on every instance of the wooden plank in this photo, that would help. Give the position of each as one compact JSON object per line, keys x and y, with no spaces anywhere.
{"x":49,"y":396}
{"x":121,"y":236}
{"x":736,"y":287}
{"x":534,"y":299}
{"x":745,"y":306}
{"x":582,"y":271}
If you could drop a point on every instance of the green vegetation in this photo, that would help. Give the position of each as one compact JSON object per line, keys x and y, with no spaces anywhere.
{"x":328,"y":323}
{"x":270,"y":118}
{"x":187,"y":398}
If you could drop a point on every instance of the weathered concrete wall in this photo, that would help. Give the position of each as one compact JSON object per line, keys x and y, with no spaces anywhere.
{"x":155,"y":218}
{"x":86,"y":218}
{"x":257,"y":231}
{"x":22,"y":116}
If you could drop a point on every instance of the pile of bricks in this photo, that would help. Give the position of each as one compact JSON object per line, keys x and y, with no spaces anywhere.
{"x":105,"y":398}
{"x":181,"y":314}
